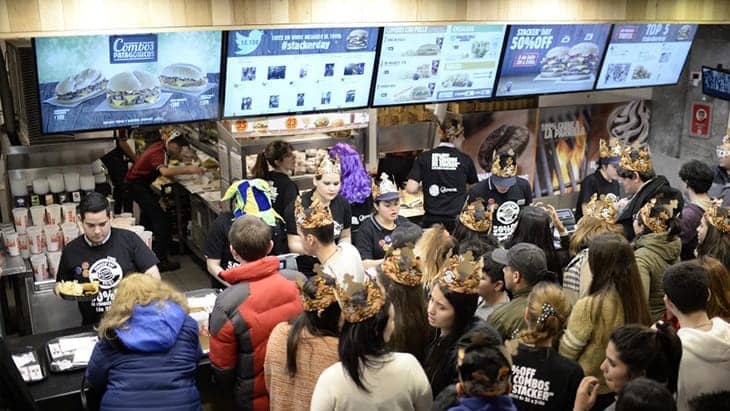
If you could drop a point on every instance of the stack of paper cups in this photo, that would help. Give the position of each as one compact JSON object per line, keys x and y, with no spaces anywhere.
{"x":54,"y":213}
{"x":20,"y":217}
{"x":23,"y":245}
{"x":35,"y":239}
{"x":70,"y":232}
{"x":11,"y":242}
{"x":40,"y":267}
{"x":138,"y":229}
{"x":69,"y":212}
{"x":38,"y":215}
{"x":54,"y":260}
{"x":53,"y":237}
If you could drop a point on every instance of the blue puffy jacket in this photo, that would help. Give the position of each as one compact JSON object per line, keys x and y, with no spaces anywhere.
{"x":151,"y":364}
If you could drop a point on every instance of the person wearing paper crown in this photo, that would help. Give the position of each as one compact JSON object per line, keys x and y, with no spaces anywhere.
{"x":369,"y":376}
{"x":721,"y":182}
{"x":473,"y":229}
{"x":375,"y":231}
{"x":247,"y":197}
{"x":506,"y":191}
{"x":444,"y":174}
{"x":327,"y":185}
{"x":713,"y":233}
{"x":641,"y":184}
{"x":605,"y":179}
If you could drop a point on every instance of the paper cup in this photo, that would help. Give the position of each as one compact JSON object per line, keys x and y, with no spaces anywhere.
{"x":11,"y":242}
{"x":55,"y":181}
{"x":96,"y":167}
{"x":39,"y":262}
{"x":20,"y":218}
{"x":23,"y":245}
{"x":36,"y":239}
{"x":88,"y":182}
{"x":71,"y":181}
{"x":53,"y":212}
{"x":17,"y":186}
{"x":38,"y":215}
{"x":54,"y":260}
{"x":147,"y":238}
{"x":69,"y":212}
{"x":40,"y":186}
{"x":70,"y":232}
{"x":53,"y":237}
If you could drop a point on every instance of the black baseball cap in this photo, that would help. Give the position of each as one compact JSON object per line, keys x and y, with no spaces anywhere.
{"x":528,"y":259}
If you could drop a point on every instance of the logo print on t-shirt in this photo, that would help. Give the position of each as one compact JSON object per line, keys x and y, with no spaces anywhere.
{"x":107,"y":271}
{"x":444,"y":161}
{"x":433,"y":190}
{"x":273,"y":191}
{"x":508,"y":212}
{"x":338,"y":229}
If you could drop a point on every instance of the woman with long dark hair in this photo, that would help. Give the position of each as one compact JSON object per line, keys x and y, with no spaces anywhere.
{"x":451,"y":307}
{"x":534,"y":226}
{"x":400,"y":276}
{"x":719,"y":303}
{"x":369,"y":375}
{"x":297,"y":353}
{"x":275,"y":164}
{"x":713,"y":234}
{"x":473,"y":229}
{"x":615,"y":298}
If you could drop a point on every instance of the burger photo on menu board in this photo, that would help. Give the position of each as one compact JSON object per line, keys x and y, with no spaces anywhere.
{"x":357,"y":40}
{"x":84,"y":84}
{"x":130,"y":89}
{"x":183,"y":77}
{"x":582,"y":61}
{"x":554,"y":63}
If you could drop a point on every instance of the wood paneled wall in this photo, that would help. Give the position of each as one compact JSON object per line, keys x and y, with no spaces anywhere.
{"x":22,"y":18}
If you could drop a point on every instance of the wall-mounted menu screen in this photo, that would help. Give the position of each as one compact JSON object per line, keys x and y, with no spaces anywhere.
{"x":716,"y":82}
{"x":105,"y":82}
{"x":645,"y":55}
{"x":427,"y":64}
{"x":298,"y":70}
{"x":543,"y":59}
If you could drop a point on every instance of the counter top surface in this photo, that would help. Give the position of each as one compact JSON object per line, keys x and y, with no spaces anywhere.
{"x":13,"y":265}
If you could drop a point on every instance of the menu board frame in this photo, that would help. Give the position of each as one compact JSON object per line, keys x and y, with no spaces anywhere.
{"x":373,"y":104}
{"x":225,"y":68}
{"x":218,"y":100}
{"x":608,"y":44}
{"x":602,"y":47}
{"x":718,"y":95}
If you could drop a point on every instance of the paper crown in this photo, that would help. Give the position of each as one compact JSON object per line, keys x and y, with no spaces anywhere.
{"x":658,"y":223}
{"x":325,"y":295}
{"x":402,"y":266}
{"x":252,"y":197}
{"x":454,"y":129}
{"x":636,"y":159}
{"x":504,"y":164}
{"x":315,"y":216}
{"x":610,"y":149}
{"x":476,"y":217}
{"x":386,"y":188}
{"x":359,"y":301}
{"x":461,"y":273}
{"x":719,"y":217}
{"x":329,"y":166}
{"x":723,"y":150}
{"x":603,"y":207}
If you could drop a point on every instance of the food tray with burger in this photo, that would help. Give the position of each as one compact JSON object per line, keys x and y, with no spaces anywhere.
{"x":75,"y":291}
{"x":77,"y":88}
{"x":185,"y":78}
{"x":133,"y":90}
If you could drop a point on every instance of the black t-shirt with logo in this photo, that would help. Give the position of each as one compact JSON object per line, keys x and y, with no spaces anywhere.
{"x":444,"y":173}
{"x":283,"y":191}
{"x":372,"y":237}
{"x":504,"y":220}
{"x":124,"y":253}
{"x":542,"y":379}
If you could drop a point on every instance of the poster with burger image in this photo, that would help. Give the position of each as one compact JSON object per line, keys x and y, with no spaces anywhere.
{"x":541,"y":59}
{"x":104,"y":82}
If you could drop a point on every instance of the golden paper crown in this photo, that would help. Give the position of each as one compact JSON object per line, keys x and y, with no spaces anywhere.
{"x":504,"y":164}
{"x":402,"y":266}
{"x":609,"y":149}
{"x":386,"y":186}
{"x":476,"y":217}
{"x":454,"y":131}
{"x":719,"y":217}
{"x":329,"y":166}
{"x":317,"y":215}
{"x":636,"y":159}
{"x":359,"y":301}
{"x":325,"y":295}
{"x":603,"y":207}
{"x":461,"y":274}
{"x":658,"y":223}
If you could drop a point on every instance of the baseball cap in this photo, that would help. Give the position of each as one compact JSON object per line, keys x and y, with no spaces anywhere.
{"x":526,"y":258}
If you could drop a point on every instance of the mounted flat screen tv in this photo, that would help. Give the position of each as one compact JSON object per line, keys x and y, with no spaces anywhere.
{"x":716,"y":82}
{"x":433,"y":64}
{"x":551,"y":58}
{"x":645,"y":55}
{"x":298,"y":70}
{"x":106,"y":82}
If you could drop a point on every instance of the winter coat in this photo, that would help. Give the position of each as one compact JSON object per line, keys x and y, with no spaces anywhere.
{"x":654,"y":253}
{"x":151,"y":363}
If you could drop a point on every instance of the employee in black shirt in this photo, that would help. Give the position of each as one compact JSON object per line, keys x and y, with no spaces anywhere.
{"x":444,"y":174}
{"x":505,"y":190}
{"x":275,"y":164}
{"x":605,"y":179}
{"x":375,"y":231}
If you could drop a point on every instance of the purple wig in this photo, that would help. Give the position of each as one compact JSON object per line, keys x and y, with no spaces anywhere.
{"x":355,"y":179}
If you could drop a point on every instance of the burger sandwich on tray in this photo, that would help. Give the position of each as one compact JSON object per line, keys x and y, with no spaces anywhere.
{"x":131,"y":89}
{"x":83,"y":85}
{"x":183,"y":77}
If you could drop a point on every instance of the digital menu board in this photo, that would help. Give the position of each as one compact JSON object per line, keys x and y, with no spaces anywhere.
{"x":543,"y":59}
{"x":645,"y":55}
{"x":298,"y":70}
{"x":104,"y":82}
{"x":426,"y":64}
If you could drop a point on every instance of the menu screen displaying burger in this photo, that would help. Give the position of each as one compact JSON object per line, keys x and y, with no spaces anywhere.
{"x":426,"y":64}
{"x":542,"y":59}
{"x":645,"y":55}
{"x":298,"y":70}
{"x":104,"y":82}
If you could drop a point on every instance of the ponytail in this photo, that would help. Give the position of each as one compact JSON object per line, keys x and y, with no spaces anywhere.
{"x":274,"y":151}
{"x":261,"y":167}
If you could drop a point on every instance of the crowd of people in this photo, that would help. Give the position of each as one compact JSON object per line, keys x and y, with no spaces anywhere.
{"x":628,"y":312}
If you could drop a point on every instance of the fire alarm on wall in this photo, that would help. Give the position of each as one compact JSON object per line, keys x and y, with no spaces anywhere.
{"x":694,"y":78}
